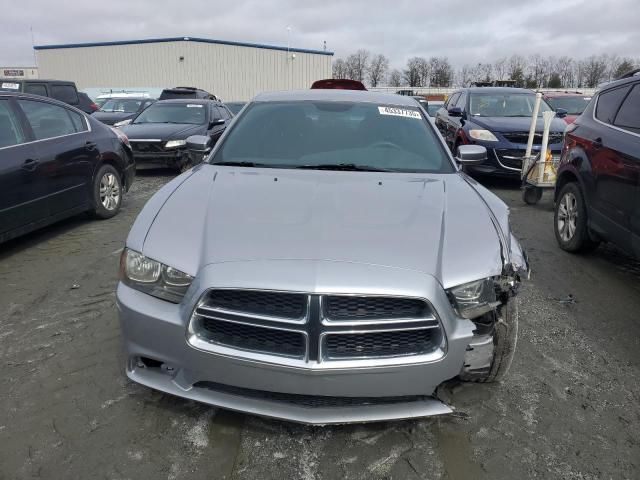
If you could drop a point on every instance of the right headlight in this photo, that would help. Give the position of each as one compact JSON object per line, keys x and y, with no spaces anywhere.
{"x":484,"y":135}
{"x":474,"y":298}
{"x":152,"y":277}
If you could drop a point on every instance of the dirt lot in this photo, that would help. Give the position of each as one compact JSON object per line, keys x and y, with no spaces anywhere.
{"x":569,"y":410}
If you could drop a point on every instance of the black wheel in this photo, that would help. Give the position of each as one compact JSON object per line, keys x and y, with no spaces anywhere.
{"x":571,"y":221}
{"x":531,"y":195}
{"x":505,"y":338}
{"x":107,"y":192}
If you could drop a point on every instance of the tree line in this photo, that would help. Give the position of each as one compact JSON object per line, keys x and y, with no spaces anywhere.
{"x":534,"y":71}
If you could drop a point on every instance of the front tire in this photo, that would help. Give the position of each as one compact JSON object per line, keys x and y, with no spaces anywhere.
{"x":571,"y":222}
{"x":107,"y":192}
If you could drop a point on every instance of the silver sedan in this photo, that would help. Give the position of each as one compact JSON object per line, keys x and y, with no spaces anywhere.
{"x":327,"y":263}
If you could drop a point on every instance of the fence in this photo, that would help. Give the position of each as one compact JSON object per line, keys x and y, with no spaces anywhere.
{"x":449,"y":90}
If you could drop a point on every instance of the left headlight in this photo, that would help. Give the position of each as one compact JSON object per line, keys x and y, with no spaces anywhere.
{"x":175,"y":143}
{"x":484,"y":135}
{"x":152,"y":277}
{"x":474,"y":298}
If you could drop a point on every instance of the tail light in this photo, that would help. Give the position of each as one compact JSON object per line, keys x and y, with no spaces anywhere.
{"x":94,"y":107}
{"x":122,"y":136}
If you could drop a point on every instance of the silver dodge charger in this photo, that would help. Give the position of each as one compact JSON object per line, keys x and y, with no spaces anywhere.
{"x":327,"y":263}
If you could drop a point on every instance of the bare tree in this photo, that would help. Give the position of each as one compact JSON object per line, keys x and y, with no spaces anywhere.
{"x":625,"y":66}
{"x":395,"y":78}
{"x":378,"y":69}
{"x":357,"y":65}
{"x":500,"y":68}
{"x":441,"y":72}
{"x":595,"y":69}
{"x":537,"y":71}
{"x":412,"y":74}
{"x":613,"y":61}
{"x":424,"y":68}
{"x":339,"y":68}
{"x":484,"y":72}
{"x":516,"y":66}
{"x":565,"y":70}
{"x":465,"y":76}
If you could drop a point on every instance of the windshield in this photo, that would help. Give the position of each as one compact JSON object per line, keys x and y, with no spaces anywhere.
{"x":504,"y":105}
{"x":189,"y":113}
{"x":121,"y":105}
{"x":573,"y":105}
{"x":343,"y":135}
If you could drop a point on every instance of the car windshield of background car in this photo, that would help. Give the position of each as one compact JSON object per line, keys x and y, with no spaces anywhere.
{"x":505,"y":105}
{"x":188,"y":113}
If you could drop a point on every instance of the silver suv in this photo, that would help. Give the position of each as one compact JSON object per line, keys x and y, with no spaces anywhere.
{"x":328,"y":263}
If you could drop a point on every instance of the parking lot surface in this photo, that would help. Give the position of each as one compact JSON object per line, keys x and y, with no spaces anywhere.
{"x":569,"y":409}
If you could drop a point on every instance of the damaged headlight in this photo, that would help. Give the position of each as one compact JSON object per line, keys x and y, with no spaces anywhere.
{"x":175,"y":143}
{"x":473,"y":299}
{"x":152,"y":277}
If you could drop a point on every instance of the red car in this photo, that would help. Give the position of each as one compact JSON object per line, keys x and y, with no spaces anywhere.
{"x":573,"y":102}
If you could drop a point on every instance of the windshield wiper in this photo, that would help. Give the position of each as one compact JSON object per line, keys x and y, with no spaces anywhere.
{"x":344,"y":166}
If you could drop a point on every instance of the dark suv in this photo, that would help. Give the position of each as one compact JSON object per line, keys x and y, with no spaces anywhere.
{"x":499,"y":119}
{"x":185,"y":92}
{"x":598,"y":188}
{"x":59,"y":89}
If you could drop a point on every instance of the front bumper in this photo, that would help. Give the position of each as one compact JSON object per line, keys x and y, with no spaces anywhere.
{"x":505,"y":160}
{"x":160,"y":356}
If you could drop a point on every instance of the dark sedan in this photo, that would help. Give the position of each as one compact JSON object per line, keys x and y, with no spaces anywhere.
{"x":159,"y":134}
{"x":118,"y":110}
{"x":56,"y":162}
{"x":499,"y":119}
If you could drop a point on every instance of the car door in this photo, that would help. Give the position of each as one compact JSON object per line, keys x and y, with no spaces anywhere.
{"x":456,"y":123}
{"x":613,"y":168}
{"x":443,"y":118}
{"x":20,"y":184}
{"x":627,"y":121}
{"x":64,"y":152}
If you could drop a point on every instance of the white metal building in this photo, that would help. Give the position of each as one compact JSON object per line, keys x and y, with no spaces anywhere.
{"x":230,"y":70}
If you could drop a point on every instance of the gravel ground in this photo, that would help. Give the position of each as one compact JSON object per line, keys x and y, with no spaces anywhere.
{"x":570,"y":408}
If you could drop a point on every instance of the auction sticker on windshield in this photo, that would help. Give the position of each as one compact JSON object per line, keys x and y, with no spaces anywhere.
{"x":399,"y":112}
{"x":12,"y":86}
{"x":193,"y":105}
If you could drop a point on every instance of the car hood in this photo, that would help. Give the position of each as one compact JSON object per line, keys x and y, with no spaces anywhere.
{"x":162,"y":131}
{"x":515,"y":124}
{"x":435,"y":224}
{"x":112,"y":117}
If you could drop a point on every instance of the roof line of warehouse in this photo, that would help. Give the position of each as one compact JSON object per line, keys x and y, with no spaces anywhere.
{"x":181,"y":39}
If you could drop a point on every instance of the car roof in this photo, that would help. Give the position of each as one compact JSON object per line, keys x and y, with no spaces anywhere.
{"x":329,"y":95}
{"x":202,"y":101}
{"x":35,"y":80}
{"x":622,"y":81}
{"x":127,"y":98}
{"x":40,"y":98}
{"x":497,"y":90}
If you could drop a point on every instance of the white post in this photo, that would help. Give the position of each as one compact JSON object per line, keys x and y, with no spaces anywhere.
{"x":534,"y":121}
{"x":548,"y":118}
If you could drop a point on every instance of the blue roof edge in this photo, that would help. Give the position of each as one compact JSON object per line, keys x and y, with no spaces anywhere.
{"x":182,"y":39}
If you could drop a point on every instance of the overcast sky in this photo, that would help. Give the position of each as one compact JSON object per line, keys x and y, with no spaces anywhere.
{"x":465,"y":31}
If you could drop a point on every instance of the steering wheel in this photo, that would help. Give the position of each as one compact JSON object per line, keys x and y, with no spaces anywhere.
{"x":385,"y":144}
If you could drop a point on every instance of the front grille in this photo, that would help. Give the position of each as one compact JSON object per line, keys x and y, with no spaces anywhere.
{"x":379,"y":344}
{"x":510,"y":158}
{"x":343,"y":307}
{"x":308,"y":401}
{"x":254,"y":338}
{"x":315,"y":328}
{"x":147,"y":147}
{"x":273,"y":304}
{"x":523,"y":137}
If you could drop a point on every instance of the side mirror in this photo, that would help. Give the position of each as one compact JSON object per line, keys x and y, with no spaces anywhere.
{"x":218,"y":121}
{"x":455,"y":112}
{"x":199,"y":143}
{"x":561,"y":112}
{"x":470,"y":154}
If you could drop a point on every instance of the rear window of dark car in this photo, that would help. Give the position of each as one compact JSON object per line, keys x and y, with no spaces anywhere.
{"x":36,"y":89}
{"x":64,"y":93}
{"x":172,"y":94}
{"x":312,"y":133}
{"x":573,"y":105}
